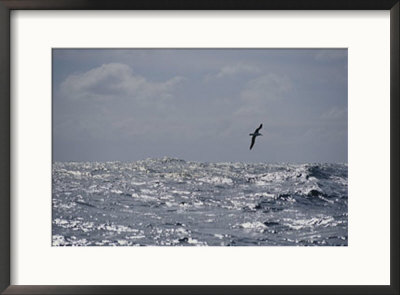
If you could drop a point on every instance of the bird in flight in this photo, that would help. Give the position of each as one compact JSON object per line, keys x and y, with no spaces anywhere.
{"x":254,"y":135}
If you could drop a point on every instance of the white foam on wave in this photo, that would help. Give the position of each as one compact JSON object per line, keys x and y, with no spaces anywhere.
{"x":144,"y":197}
{"x":136,"y":237}
{"x":77,"y":174}
{"x":256,"y":225}
{"x":87,"y":226}
{"x":259,"y":194}
{"x":59,"y":240}
{"x":196,"y":242}
{"x":148,"y":191}
{"x":171,"y":204}
{"x":64,"y":206}
{"x":122,"y":242}
{"x":180,"y":192}
{"x":101,"y":176}
{"x":216,"y":180}
{"x":323,"y":221}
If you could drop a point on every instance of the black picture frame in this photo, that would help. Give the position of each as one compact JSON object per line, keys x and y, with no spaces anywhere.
{"x":6,"y":6}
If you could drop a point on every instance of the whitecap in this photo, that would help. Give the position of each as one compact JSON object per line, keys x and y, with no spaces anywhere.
{"x":216,"y":180}
{"x":256,"y":225}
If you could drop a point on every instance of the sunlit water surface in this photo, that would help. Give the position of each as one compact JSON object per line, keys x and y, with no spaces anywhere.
{"x":171,"y":202}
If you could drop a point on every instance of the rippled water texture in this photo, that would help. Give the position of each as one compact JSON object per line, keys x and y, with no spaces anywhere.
{"x":167,"y":202}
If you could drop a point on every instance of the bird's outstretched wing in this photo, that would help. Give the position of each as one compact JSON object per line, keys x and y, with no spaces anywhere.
{"x":253,"y":140}
{"x":258,"y":129}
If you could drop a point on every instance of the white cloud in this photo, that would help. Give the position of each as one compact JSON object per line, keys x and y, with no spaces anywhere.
{"x":266,"y":88}
{"x":258,"y":94}
{"x":111,"y":101}
{"x":233,"y":70}
{"x":113,"y":80}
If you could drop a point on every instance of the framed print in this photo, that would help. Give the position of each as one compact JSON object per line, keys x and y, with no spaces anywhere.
{"x":201,"y":148}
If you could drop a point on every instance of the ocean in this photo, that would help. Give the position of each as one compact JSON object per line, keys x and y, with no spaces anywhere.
{"x":172,"y":202}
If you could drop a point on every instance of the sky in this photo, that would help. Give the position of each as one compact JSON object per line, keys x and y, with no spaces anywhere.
{"x":200,"y":104}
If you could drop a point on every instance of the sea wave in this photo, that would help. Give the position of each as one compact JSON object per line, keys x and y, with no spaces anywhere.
{"x":170,"y":201}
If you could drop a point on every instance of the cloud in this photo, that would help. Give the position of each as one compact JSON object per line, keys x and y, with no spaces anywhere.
{"x":267,"y":87}
{"x":112,"y":102}
{"x":232,"y":70}
{"x":259,"y":93}
{"x":113,"y":80}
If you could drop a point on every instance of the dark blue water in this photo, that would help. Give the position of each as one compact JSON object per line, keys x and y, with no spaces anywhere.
{"x":171,"y":202}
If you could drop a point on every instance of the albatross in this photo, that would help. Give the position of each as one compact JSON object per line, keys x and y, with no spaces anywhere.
{"x":254,"y":135}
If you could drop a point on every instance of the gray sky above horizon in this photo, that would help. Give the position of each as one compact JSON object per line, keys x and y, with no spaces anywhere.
{"x":200,"y":104}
